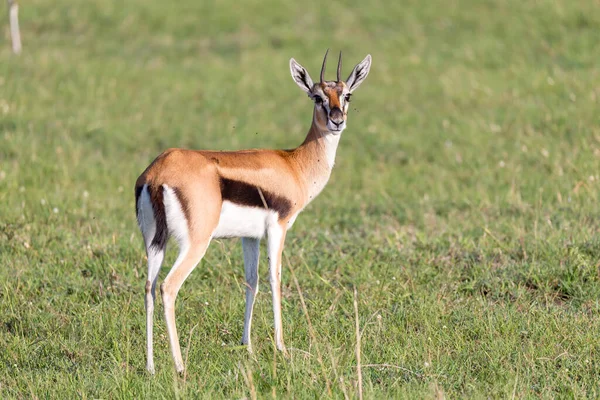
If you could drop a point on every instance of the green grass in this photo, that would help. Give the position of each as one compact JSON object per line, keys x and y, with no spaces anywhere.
{"x":464,"y":206}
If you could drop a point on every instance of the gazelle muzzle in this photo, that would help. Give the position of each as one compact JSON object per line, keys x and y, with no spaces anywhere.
{"x":336,"y":116}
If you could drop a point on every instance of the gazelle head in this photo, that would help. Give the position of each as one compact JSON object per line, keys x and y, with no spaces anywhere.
{"x":331,"y":97}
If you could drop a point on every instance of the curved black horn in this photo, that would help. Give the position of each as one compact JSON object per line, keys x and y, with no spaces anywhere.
{"x":339,"y":75}
{"x":323,"y":67}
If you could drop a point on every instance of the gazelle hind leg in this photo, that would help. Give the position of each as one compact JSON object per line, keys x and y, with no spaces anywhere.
{"x":192,"y":247}
{"x":155,"y":260}
{"x":275,"y":240}
{"x":155,"y":252}
{"x":251,"y":247}
{"x":185,"y":264}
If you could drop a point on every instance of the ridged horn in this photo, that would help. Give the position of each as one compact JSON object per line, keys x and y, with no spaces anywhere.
{"x":323,"y":67}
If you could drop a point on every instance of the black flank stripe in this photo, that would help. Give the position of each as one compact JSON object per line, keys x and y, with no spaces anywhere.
{"x":158,"y":206}
{"x":244,"y":194}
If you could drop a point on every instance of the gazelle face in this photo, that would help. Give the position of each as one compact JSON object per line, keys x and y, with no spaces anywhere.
{"x":331,"y":97}
{"x":331,"y":105}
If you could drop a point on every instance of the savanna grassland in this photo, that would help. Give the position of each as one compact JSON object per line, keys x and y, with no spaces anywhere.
{"x":463,"y":206}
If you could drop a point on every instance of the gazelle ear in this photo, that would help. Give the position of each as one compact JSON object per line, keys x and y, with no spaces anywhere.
{"x":359,"y":73}
{"x":301,"y":76}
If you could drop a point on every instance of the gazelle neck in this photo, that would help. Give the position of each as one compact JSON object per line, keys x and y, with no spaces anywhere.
{"x":316,"y":157}
{"x":323,"y":144}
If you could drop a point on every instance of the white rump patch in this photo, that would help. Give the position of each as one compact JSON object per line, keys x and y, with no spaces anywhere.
{"x":176,"y":222}
{"x":240,"y":221}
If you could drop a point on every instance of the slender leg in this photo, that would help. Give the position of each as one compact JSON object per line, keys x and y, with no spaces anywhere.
{"x":155,"y":254}
{"x":276,"y":238}
{"x":193,"y":233}
{"x":251,"y":247}
{"x":155,"y":260}
{"x":185,"y":264}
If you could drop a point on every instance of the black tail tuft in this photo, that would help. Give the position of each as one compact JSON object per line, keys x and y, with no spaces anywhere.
{"x":158,"y":206}
{"x":138,"y":193}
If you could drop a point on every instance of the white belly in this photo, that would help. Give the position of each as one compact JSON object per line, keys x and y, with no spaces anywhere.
{"x":240,"y":221}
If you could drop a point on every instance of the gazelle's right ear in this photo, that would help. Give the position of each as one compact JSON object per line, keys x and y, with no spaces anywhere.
{"x":359,"y":73}
{"x":301,"y":76}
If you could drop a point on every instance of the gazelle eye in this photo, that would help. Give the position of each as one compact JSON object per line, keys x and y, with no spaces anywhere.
{"x":318,"y":99}
{"x":348,"y":97}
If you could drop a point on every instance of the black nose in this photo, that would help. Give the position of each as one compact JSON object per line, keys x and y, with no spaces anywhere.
{"x":336,"y":115}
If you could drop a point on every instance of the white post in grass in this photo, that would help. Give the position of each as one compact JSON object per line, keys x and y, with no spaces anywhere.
{"x":15,"y":34}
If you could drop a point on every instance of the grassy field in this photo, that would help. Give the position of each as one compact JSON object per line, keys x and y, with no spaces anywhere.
{"x":463,"y":206}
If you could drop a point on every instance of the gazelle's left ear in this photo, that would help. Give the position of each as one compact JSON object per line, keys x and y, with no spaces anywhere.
{"x":301,"y":76}
{"x":359,"y":73}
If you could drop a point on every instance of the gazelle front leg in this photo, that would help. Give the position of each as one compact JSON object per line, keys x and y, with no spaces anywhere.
{"x":275,"y":240}
{"x":251,"y":247}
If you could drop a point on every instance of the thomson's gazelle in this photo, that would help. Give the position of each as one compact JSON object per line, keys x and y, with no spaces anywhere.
{"x":196,"y":196}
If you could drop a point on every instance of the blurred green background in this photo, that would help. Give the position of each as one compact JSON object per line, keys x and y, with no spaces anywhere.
{"x":463,"y":205}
